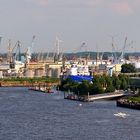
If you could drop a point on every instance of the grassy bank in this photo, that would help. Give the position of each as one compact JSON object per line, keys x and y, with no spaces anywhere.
{"x":130,"y":102}
{"x":16,"y":81}
{"x":135,"y":99}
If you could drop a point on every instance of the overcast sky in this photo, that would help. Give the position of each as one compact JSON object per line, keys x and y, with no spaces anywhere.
{"x":73,"y":21}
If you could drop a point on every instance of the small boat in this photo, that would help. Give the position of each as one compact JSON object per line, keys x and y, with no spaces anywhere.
{"x":71,"y":97}
{"x":49,"y":91}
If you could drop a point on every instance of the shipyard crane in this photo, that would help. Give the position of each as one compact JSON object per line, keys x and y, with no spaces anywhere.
{"x":121,"y":58}
{"x":114,"y":48}
{"x":9,"y":56}
{"x":40,"y":56}
{"x":17,"y":54}
{"x":57,"y":44}
{"x":18,"y":51}
{"x":86,"y":54}
{"x":123,"y":51}
{"x":114,"y":51}
{"x":47,"y":56}
{"x":56,"y":55}
{"x":83,"y":45}
{"x":28,"y":52}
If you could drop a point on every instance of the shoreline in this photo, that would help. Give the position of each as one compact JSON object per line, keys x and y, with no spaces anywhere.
{"x":124,"y":102}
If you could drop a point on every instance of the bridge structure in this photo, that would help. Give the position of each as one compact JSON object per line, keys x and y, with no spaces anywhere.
{"x":118,"y":94}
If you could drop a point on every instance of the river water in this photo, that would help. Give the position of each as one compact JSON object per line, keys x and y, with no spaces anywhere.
{"x":31,"y":115}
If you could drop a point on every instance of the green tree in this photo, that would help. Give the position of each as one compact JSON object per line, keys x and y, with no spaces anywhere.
{"x":110,"y":88}
{"x":124,"y":84}
{"x":128,"y":68}
{"x":83,"y":88}
{"x":98,"y":85}
{"x":108,"y":80}
{"x":116,"y":82}
{"x":124,"y":81}
{"x":97,"y":88}
{"x":102,"y":81}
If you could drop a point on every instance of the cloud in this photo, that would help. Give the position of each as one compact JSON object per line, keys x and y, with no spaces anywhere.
{"x":43,"y":2}
{"x":38,"y":2}
{"x":123,"y":8}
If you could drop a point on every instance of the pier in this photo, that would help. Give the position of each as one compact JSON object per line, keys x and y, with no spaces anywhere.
{"x":43,"y":87}
{"x":90,"y":98}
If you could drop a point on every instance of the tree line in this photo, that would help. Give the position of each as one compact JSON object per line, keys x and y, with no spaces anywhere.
{"x":100,"y":84}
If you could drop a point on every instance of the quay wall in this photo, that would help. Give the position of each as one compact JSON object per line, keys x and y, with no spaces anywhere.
{"x":125,"y":103}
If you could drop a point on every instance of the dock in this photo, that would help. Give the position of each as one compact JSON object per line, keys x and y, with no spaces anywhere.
{"x":47,"y":88}
{"x":90,"y":98}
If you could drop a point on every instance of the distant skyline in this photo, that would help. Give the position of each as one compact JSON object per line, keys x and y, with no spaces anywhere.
{"x":93,"y":22}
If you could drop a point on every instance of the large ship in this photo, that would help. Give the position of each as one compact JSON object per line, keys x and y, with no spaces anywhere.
{"x":79,"y":73}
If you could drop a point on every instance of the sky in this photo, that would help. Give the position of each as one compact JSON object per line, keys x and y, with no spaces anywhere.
{"x":92,"y":22}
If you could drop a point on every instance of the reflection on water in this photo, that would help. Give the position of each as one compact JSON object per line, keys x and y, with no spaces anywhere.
{"x":29,"y":115}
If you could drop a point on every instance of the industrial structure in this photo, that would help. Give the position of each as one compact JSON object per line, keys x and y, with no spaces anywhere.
{"x":55,"y":64}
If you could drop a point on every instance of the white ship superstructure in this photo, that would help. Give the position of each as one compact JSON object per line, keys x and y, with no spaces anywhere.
{"x":78,"y":70}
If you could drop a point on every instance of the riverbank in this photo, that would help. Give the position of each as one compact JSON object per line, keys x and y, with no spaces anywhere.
{"x":129,"y":102}
{"x":28,"y":82}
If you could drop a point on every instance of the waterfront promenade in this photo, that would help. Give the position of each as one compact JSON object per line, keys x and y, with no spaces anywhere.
{"x":104,"y":96}
{"x":30,"y":115}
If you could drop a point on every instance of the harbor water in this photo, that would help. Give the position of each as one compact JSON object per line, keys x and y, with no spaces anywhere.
{"x":32,"y":115}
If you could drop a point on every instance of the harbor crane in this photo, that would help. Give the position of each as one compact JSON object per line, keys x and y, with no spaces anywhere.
{"x":121,"y":59}
{"x":9,"y":55}
{"x":57,"y":55}
{"x":28,"y":52}
{"x":13,"y":56}
{"x":57,"y":44}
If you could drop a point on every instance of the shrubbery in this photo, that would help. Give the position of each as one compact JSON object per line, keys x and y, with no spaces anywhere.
{"x":100,"y":84}
{"x":29,"y":80}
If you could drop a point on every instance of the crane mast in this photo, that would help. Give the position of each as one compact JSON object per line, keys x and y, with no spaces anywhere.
{"x":28,"y":52}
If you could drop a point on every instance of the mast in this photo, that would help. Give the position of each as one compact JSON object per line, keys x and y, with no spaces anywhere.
{"x":9,"y":55}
